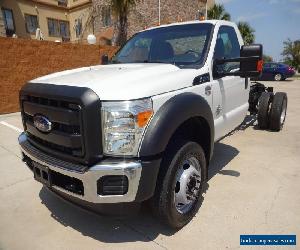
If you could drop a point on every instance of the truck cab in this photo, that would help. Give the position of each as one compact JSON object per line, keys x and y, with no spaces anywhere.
{"x":143,"y":126}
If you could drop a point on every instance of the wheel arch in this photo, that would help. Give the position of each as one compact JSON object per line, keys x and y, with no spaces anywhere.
{"x":187,"y":115}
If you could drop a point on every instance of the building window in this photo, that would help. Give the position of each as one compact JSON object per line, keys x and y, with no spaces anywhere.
{"x":53,"y":27}
{"x":78,"y":27}
{"x":31,"y":22}
{"x":9,"y":21}
{"x":58,"y":28}
{"x":64,"y":28}
{"x":62,"y":3}
{"x":106,"y":16}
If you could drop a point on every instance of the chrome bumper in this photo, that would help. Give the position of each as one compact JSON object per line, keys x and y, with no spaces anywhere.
{"x":90,"y":177}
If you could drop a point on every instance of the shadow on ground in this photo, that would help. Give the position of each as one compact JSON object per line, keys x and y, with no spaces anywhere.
{"x":141,"y":226}
{"x":110,"y":229}
{"x":223,"y":154}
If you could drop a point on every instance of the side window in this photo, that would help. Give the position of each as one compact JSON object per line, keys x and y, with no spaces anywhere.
{"x":227,"y":46}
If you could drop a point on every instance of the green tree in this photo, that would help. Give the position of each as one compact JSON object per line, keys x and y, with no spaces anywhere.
{"x":217,"y":11}
{"x":291,"y":53}
{"x":121,"y":9}
{"x":247,"y":32}
{"x":267,"y":58}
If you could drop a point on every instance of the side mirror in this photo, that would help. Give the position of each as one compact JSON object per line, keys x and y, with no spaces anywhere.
{"x":104,"y":59}
{"x":251,"y":63}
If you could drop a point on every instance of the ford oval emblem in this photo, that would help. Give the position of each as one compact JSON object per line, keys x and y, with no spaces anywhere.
{"x":42,"y":123}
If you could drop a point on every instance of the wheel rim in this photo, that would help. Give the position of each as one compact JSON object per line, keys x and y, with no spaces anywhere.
{"x":277,"y":77}
{"x":283,"y":112}
{"x":187,"y":187}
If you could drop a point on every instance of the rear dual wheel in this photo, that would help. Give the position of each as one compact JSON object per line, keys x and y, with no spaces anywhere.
{"x":264,"y":105}
{"x":272,"y":111}
{"x":278,"y":111}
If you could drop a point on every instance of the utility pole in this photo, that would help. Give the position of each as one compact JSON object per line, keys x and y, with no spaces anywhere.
{"x":206,"y":9}
{"x":158,"y":12}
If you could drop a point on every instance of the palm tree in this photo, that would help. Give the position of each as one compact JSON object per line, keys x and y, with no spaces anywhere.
{"x":218,"y":12}
{"x":291,"y":53}
{"x":121,"y":10}
{"x":247,"y":32}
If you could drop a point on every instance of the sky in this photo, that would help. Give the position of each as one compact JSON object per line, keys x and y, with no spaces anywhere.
{"x":274,"y":21}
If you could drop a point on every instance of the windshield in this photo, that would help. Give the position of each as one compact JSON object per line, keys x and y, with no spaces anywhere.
{"x":182,"y":45}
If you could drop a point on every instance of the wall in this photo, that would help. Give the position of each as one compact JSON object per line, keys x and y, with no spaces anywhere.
{"x":145,"y":13}
{"x":2,"y":26}
{"x":22,"y":60}
{"x":84,"y":15}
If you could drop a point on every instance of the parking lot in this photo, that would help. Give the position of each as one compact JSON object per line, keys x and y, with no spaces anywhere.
{"x":253,"y":188}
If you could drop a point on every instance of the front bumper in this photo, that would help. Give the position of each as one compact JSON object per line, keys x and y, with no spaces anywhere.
{"x":141,"y":175}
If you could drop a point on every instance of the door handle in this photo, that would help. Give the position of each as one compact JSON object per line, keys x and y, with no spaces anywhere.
{"x":208,"y":90}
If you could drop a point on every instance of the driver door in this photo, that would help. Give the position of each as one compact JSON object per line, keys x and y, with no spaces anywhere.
{"x":230,"y":93}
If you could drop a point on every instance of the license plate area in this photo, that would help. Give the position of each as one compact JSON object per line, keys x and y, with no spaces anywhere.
{"x":42,"y":174}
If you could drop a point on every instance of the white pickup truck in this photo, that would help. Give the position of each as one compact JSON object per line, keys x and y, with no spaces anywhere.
{"x":143,"y":126}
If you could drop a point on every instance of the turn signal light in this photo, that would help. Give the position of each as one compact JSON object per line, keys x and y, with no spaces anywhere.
{"x":260,"y":64}
{"x":143,"y":118}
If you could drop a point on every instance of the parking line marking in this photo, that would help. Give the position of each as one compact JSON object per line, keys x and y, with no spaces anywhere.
{"x":11,"y":126}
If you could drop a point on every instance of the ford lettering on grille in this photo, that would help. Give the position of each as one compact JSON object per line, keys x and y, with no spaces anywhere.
{"x":42,"y":123}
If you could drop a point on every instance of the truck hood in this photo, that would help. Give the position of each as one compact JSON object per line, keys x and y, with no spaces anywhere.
{"x":124,"y":81}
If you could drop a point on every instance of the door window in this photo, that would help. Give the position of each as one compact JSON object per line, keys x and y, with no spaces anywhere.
{"x":227,"y":46}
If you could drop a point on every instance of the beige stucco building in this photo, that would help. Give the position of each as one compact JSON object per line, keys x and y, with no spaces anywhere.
{"x":73,"y":20}
{"x":2,"y":26}
{"x":56,"y":19}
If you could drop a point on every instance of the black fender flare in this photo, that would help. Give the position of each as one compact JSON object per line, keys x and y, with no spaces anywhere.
{"x":169,"y":117}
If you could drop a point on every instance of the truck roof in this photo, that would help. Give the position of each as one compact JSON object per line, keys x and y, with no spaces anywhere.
{"x":214,"y":22}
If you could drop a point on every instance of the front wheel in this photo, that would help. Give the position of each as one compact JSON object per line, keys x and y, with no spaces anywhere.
{"x":179,"y":194}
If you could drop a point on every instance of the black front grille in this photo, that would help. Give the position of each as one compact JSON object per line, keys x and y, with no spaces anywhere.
{"x":68,"y":183}
{"x":75,"y":117}
{"x":66,"y":133}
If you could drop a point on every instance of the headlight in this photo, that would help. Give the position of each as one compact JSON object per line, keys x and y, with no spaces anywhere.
{"x":123,"y":124}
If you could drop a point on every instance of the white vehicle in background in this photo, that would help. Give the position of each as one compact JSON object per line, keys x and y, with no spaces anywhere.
{"x":144,"y":125}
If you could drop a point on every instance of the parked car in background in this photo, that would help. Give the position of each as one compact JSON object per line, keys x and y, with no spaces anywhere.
{"x":276,"y":72}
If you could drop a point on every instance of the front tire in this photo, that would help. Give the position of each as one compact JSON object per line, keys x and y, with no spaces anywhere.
{"x":179,"y":191}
